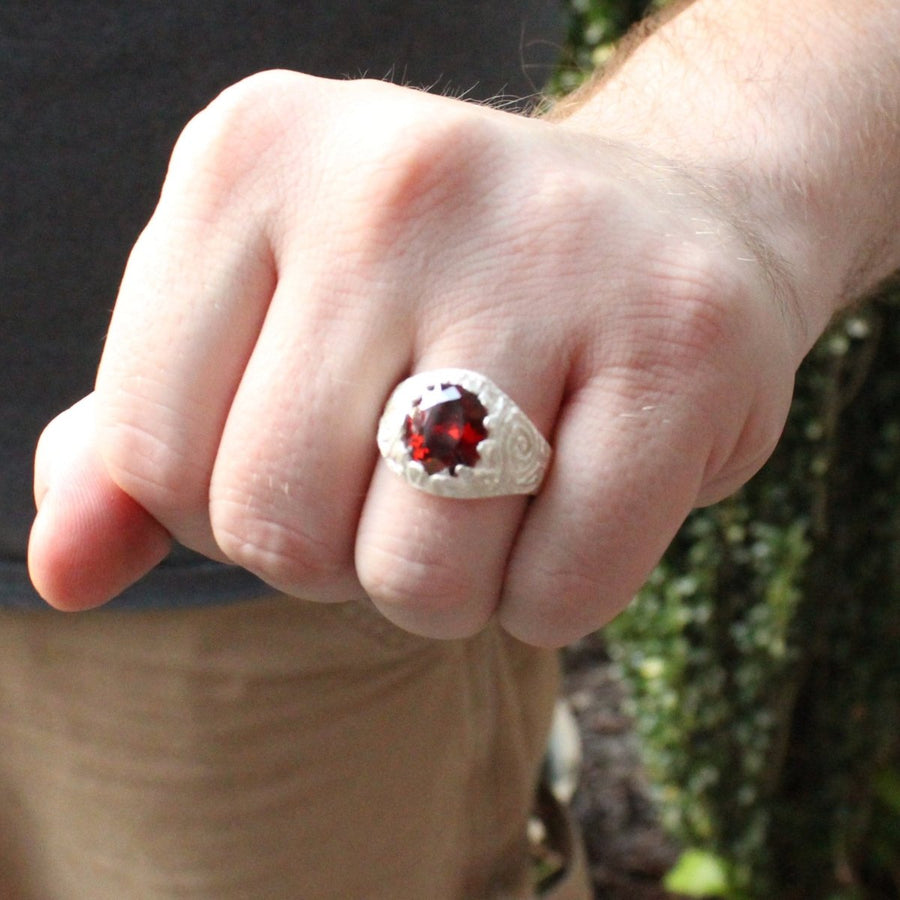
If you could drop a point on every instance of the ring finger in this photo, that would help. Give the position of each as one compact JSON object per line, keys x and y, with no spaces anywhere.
{"x":435,"y":564}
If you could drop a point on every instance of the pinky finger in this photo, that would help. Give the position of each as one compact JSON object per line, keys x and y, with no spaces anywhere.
{"x":601,"y":522}
{"x":90,"y":540}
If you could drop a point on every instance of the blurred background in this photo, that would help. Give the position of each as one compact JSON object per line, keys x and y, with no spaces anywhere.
{"x":741,"y":721}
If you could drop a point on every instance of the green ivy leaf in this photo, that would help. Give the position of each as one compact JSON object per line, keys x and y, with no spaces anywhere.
{"x":699,"y":873}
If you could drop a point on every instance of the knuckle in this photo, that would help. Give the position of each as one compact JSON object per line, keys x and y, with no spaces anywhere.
{"x":688,"y":317}
{"x":152,"y":470}
{"x":695,"y":292}
{"x":229,"y":136}
{"x":578,"y":607}
{"x":279,"y":552}
{"x":420,"y":159}
{"x":396,"y":580}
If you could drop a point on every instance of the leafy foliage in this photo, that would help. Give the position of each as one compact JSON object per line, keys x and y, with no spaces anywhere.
{"x":762,"y":655}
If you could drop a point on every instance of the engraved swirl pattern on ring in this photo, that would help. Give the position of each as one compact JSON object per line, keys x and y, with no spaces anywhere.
{"x":522,"y":456}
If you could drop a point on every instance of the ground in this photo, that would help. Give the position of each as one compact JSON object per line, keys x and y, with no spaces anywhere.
{"x":627,"y":850}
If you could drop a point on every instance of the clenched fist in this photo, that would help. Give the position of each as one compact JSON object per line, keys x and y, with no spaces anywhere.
{"x":315,"y":243}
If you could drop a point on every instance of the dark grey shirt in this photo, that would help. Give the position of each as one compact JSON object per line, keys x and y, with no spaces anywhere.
{"x":92,"y":96}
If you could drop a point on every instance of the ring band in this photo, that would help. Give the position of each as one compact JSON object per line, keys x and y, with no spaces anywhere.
{"x":454,"y":433}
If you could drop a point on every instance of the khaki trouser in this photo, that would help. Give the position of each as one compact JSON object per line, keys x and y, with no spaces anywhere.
{"x":275,"y":749}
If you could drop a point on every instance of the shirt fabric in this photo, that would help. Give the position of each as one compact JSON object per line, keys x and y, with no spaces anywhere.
{"x":93,"y":94}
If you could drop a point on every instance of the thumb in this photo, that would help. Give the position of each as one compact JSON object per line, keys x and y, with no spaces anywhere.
{"x":90,"y":540}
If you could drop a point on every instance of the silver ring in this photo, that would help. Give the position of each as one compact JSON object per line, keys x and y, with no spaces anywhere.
{"x":454,"y":433}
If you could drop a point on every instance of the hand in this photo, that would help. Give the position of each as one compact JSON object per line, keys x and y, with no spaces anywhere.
{"x":317,"y":241}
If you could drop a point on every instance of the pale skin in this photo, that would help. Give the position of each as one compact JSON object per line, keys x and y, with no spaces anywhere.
{"x":643,"y":273}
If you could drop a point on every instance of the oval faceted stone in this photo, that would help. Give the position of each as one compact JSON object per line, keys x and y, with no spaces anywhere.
{"x":444,"y":429}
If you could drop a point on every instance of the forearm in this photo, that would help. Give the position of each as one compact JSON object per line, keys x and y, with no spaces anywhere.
{"x":791,"y":114}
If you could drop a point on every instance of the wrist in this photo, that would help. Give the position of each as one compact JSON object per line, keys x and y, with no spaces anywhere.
{"x":788,"y":115}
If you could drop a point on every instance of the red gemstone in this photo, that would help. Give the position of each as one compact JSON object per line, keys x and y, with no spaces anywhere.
{"x":445,"y":428}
